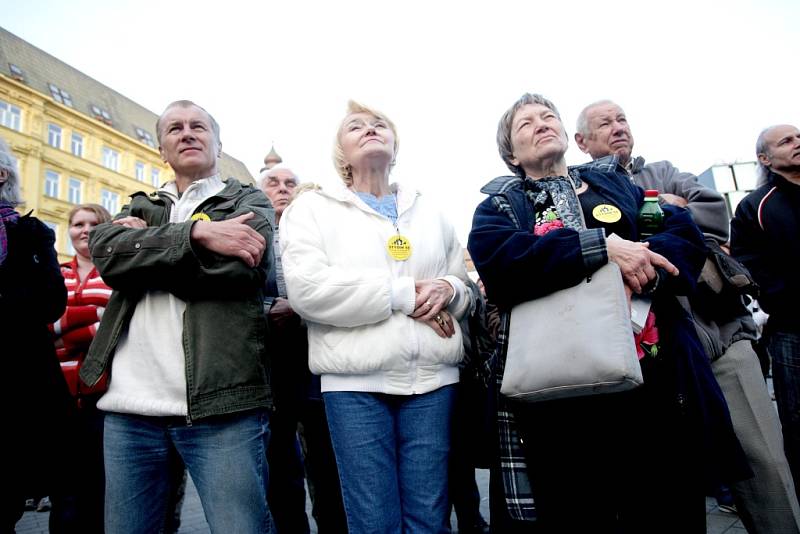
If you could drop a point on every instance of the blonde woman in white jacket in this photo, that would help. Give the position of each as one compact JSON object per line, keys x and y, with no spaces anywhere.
{"x":378,"y":275}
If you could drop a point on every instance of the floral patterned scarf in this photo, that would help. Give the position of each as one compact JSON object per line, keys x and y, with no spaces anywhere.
{"x":8,"y":215}
{"x":558,"y":193}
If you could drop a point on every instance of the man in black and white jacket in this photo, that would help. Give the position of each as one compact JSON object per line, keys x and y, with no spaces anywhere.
{"x":765,"y":236}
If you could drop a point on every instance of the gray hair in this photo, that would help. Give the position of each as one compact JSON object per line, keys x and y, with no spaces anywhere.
{"x":761,"y":148}
{"x":187,"y":104}
{"x":582,"y":124}
{"x":264,"y":172}
{"x":504,"y":127}
{"x":9,"y":190}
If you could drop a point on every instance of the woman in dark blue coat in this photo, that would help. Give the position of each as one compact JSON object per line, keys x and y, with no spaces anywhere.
{"x":598,"y":463}
{"x":37,"y":404}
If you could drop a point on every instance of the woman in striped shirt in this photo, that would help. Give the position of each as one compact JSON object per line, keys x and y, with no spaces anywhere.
{"x":87,"y":296}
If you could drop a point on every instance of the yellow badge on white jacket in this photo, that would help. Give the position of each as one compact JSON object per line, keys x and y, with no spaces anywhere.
{"x":399,"y":247}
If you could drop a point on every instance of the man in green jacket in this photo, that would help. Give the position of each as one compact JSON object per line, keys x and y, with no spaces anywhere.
{"x":183,"y":338}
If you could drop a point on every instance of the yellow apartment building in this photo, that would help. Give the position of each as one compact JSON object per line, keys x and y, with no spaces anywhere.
{"x":75,"y":139}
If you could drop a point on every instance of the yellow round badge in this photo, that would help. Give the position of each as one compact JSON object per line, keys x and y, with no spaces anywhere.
{"x":200,"y":217}
{"x":399,"y":247}
{"x":606,"y":213}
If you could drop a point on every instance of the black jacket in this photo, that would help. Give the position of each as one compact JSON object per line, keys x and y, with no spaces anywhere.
{"x":37,"y":403}
{"x":765,"y":237}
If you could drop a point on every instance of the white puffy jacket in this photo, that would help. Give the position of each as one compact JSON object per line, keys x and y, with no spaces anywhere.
{"x":356,"y":299}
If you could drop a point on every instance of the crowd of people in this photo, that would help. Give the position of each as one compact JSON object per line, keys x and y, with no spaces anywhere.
{"x":266,"y":338}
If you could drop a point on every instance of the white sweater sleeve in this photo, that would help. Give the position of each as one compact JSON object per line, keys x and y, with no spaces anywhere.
{"x":329,"y":294}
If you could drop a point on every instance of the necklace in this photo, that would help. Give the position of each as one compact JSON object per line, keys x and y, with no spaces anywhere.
{"x":398,"y":246}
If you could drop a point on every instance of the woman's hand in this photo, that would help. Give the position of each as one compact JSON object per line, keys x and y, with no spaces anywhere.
{"x":442,"y":324}
{"x":637,"y":262}
{"x":432,"y":297}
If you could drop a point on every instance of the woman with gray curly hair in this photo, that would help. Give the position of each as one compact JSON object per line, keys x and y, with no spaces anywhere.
{"x":547,"y":228}
{"x":38,"y":404}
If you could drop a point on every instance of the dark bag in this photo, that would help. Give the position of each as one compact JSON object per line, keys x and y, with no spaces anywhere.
{"x":725,"y":275}
{"x":473,"y":413}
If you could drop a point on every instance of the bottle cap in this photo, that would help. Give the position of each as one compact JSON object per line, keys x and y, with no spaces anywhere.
{"x":651,"y":193}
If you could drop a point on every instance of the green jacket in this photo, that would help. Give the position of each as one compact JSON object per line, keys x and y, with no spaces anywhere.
{"x":224,"y":329}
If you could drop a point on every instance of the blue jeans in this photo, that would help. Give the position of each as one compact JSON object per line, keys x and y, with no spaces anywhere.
{"x":784,"y":348}
{"x":224,"y":455}
{"x":392,"y":453}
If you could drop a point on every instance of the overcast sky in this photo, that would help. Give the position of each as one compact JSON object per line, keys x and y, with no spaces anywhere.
{"x":698,"y":79}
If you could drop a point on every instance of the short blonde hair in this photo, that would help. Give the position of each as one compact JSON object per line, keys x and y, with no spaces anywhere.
{"x":339,"y":161}
{"x":102,"y":214}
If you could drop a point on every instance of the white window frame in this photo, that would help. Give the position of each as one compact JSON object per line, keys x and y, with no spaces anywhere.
{"x":52,"y":183}
{"x":10,"y":116}
{"x":109,"y":200}
{"x":54,"y":132}
{"x":139,"y":171}
{"x":110,"y":158}
{"x":76,"y":144}
{"x":74,"y":190}
{"x":155,"y":177}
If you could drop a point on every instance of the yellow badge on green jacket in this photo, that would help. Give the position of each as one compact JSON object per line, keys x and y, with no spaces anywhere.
{"x":200,"y":217}
{"x":606,"y":213}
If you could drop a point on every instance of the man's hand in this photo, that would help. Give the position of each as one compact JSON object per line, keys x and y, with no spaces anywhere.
{"x":675,"y":200}
{"x":232,"y":237}
{"x":281,"y":313}
{"x":637,"y":262}
{"x":131,"y":222}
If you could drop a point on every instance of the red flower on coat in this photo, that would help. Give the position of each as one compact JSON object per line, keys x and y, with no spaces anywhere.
{"x":647,"y":340}
{"x":539,"y":229}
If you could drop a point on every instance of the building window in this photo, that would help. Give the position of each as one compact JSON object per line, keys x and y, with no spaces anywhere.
{"x":110,"y":159}
{"x":145,"y":137}
{"x":51,"y":179}
{"x":16,"y":72}
{"x":60,"y":95}
{"x":155,"y":177}
{"x":70,"y":249}
{"x":74,"y":190}
{"x":100,"y":114}
{"x":77,"y":144}
{"x":54,"y":135}
{"x":10,"y":116}
{"x":109,"y":200}
{"x":140,"y":171}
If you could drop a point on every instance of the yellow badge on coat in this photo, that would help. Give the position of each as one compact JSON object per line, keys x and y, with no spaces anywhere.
{"x":606,"y":213}
{"x":200,"y":217}
{"x":399,"y":247}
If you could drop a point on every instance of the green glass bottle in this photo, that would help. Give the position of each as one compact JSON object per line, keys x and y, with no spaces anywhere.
{"x":651,"y":216}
